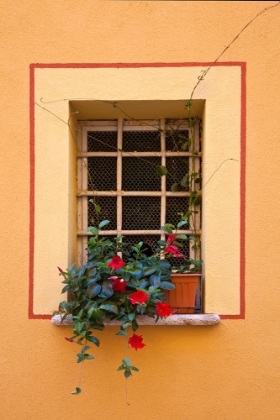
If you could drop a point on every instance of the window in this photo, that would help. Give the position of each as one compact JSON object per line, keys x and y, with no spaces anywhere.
{"x":117,"y":170}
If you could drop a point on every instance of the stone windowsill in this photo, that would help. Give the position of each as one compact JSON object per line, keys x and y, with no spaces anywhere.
{"x":187,"y":319}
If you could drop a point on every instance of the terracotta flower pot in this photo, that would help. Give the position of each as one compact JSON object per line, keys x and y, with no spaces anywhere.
{"x":183,"y":296}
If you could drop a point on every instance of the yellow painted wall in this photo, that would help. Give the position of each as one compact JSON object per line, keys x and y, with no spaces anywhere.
{"x":227,"y":372}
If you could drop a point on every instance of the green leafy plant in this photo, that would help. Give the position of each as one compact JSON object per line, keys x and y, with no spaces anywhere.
{"x":114,"y":287}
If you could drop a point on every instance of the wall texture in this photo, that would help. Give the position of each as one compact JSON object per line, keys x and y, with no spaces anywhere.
{"x":230,"y":371}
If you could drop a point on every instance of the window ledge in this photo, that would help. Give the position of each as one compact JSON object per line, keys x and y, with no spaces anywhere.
{"x":189,"y":319}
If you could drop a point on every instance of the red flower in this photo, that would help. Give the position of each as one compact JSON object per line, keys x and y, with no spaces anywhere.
{"x":116,"y":263}
{"x":171,"y":238}
{"x":119,"y":285}
{"x":60,"y":270}
{"x":69,"y":339}
{"x":135,"y":342}
{"x":173,"y":249}
{"x":163,"y":309}
{"x":138,"y":297}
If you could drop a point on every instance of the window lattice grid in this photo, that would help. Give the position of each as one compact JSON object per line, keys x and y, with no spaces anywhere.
{"x":102,"y":141}
{"x":141,"y":141}
{"x":141,"y":213}
{"x":108,"y":212}
{"x":141,"y":174}
{"x":102,"y":173}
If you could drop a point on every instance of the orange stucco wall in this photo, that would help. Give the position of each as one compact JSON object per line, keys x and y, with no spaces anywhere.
{"x":230,"y":371}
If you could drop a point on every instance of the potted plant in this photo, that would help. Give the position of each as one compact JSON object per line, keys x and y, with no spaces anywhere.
{"x":186,"y":275}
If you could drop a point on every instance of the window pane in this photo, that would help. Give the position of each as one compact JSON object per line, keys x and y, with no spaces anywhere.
{"x":141,"y":141}
{"x":141,"y":213}
{"x":175,"y":205}
{"x":177,"y":141}
{"x":108,"y":212}
{"x":102,"y":173}
{"x":140,"y":174}
{"x":177,"y":168}
{"x":102,"y":141}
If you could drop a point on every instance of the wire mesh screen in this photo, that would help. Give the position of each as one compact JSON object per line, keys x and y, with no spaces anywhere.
{"x":177,"y":141}
{"x":141,"y":213}
{"x":177,"y":168}
{"x":102,"y":141}
{"x":102,"y":173}
{"x":108,"y":212}
{"x":141,"y":141}
{"x":140,"y":174}
{"x":175,"y":205}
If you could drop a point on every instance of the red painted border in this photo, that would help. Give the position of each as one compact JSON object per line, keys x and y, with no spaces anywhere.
{"x":34,"y":66}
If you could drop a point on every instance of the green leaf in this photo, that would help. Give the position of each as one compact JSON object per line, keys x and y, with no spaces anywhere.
{"x":93,"y":290}
{"x":65,"y":289}
{"x":134,"y":325}
{"x":126,"y":362}
{"x":126,"y":325}
{"x":164,"y":264}
{"x":77,"y":391}
{"x":103,"y":223}
{"x":175,"y":187}
{"x":166,"y":285}
{"x":121,"y":332}
{"x":143,"y":284}
{"x":97,"y":208}
{"x":149,"y":270}
{"x":182,"y":223}
{"x":135,"y":272}
{"x":121,"y":367}
{"x":107,"y":290}
{"x":168,"y":228}
{"x":110,"y":308}
{"x":155,"y":281}
{"x":131,"y":316}
{"x":94,"y":340}
{"x":89,"y":356}
{"x":127,"y":373}
{"x":185,"y":181}
{"x":84,"y":349}
{"x":90,"y":311}
{"x":134,"y":368}
{"x":162,"y":170}
{"x":92,"y":230}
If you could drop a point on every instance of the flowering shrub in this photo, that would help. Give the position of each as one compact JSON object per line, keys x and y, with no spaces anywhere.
{"x":117,"y":288}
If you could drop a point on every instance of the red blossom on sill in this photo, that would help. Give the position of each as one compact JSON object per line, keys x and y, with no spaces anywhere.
{"x":173,"y":249}
{"x":135,"y":342}
{"x":119,"y":285}
{"x":69,"y":339}
{"x":116,"y":263}
{"x":163,"y":309}
{"x":139,"y":297}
